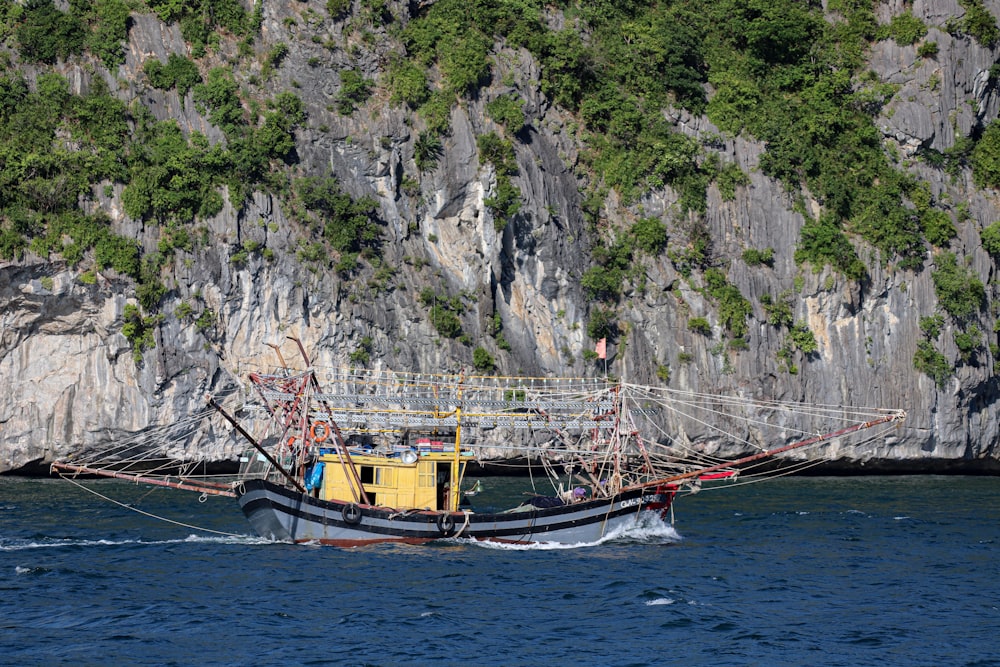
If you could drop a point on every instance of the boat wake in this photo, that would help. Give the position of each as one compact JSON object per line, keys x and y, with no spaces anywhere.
{"x":647,"y":529}
{"x":53,"y":543}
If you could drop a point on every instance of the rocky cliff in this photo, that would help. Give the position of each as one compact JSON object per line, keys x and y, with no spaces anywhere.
{"x":69,"y":374}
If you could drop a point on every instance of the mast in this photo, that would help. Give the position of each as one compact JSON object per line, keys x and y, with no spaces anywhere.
{"x":456,"y":482}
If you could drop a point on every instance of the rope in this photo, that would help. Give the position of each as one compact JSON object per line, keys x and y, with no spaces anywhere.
{"x":149,"y":514}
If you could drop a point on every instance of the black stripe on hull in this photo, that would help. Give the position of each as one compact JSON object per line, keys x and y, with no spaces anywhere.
{"x":272,"y":502}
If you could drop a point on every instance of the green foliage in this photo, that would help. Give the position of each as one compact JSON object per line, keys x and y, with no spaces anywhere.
{"x":755,"y":257}
{"x":985,"y":158}
{"x":778,"y":311}
{"x":445,"y":320}
{"x":937,"y":227}
{"x":199,"y":19}
{"x":905,"y":29}
{"x":108,"y":30}
{"x":348,"y":225}
{"x":483,"y":361}
{"x":959,"y":291}
{"x":991,"y":239}
{"x":337,"y":8}
{"x":803,"y":338}
{"x":427,"y":150}
{"x":602,"y":324}
{"x":138,"y":331}
{"x":931,"y":325}
{"x":436,"y":112}
{"x":650,"y":236}
{"x":729,"y":177}
{"x":407,"y":83}
{"x":354,"y":90}
{"x":967,"y":341}
{"x":506,"y":203}
{"x":507,"y":110}
{"x":932,"y":363}
{"x":696,"y":253}
{"x":733,"y":306}
{"x":700,"y":325}
{"x":206,"y":320}
{"x":362,"y":355}
{"x":823,"y":242}
{"x":179,"y":72}
{"x":46,"y":34}
{"x":604,"y":281}
{"x":927,"y":50}
{"x":173,"y":179}
{"x":663,"y":373}
{"x":977,"y":22}
{"x":219,"y":97}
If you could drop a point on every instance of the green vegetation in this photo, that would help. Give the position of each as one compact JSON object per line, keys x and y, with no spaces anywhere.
{"x":507,"y":110}
{"x":927,"y":359}
{"x":905,"y":29}
{"x":932,"y":363}
{"x":362,"y":355}
{"x":354,"y":90}
{"x":483,"y":361}
{"x":778,"y":310}
{"x":138,"y":331}
{"x":780,"y":72}
{"x":348,"y":225}
{"x":959,"y":291}
{"x":991,"y":239}
{"x":754,"y":257}
{"x":444,"y":312}
{"x":700,"y":325}
{"x":985,"y":158}
{"x":803,"y":338}
{"x":733,"y":306}
{"x":500,"y":153}
{"x":650,"y":236}
{"x":967,"y":342}
{"x":977,"y":22}
{"x":179,"y":72}
{"x":427,"y":150}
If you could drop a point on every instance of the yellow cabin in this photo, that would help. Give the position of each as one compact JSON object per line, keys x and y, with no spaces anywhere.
{"x":411,"y":480}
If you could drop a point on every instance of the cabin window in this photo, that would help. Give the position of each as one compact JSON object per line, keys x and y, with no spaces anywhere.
{"x":426,"y":472}
{"x":367,"y":474}
{"x":384,"y":477}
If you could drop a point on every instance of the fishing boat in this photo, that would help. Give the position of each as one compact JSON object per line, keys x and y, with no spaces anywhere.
{"x":351,"y":457}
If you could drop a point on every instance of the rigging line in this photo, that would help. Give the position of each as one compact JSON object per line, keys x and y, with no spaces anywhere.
{"x":748,"y":408}
{"x":149,"y":514}
{"x":789,"y":405}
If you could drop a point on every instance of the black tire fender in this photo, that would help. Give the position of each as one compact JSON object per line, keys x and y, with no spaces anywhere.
{"x":351,"y":514}
{"x":446,"y":524}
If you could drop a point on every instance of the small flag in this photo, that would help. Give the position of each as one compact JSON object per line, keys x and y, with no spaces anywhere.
{"x":602,"y":348}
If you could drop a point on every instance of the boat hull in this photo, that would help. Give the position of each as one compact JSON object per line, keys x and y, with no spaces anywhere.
{"x":281,"y":514}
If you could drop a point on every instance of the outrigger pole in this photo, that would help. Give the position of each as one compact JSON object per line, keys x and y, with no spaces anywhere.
{"x":900,"y":414}
{"x":256,"y":445}
{"x":210,"y":488}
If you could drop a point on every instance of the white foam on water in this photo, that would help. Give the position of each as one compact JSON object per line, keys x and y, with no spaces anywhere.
{"x":650,"y":603}
{"x":23,"y":570}
{"x":19,"y":545}
{"x":648,"y":529}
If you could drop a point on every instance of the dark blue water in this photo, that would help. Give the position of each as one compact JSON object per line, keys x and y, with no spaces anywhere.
{"x":863,"y":571}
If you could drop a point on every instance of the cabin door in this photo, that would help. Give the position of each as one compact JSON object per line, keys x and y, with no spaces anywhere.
{"x":443,"y":484}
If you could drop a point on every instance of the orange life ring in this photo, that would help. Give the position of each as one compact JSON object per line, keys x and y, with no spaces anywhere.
{"x":326,"y":431}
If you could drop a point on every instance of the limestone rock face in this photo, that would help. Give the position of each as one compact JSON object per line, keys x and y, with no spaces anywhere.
{"x":71,"y":380}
